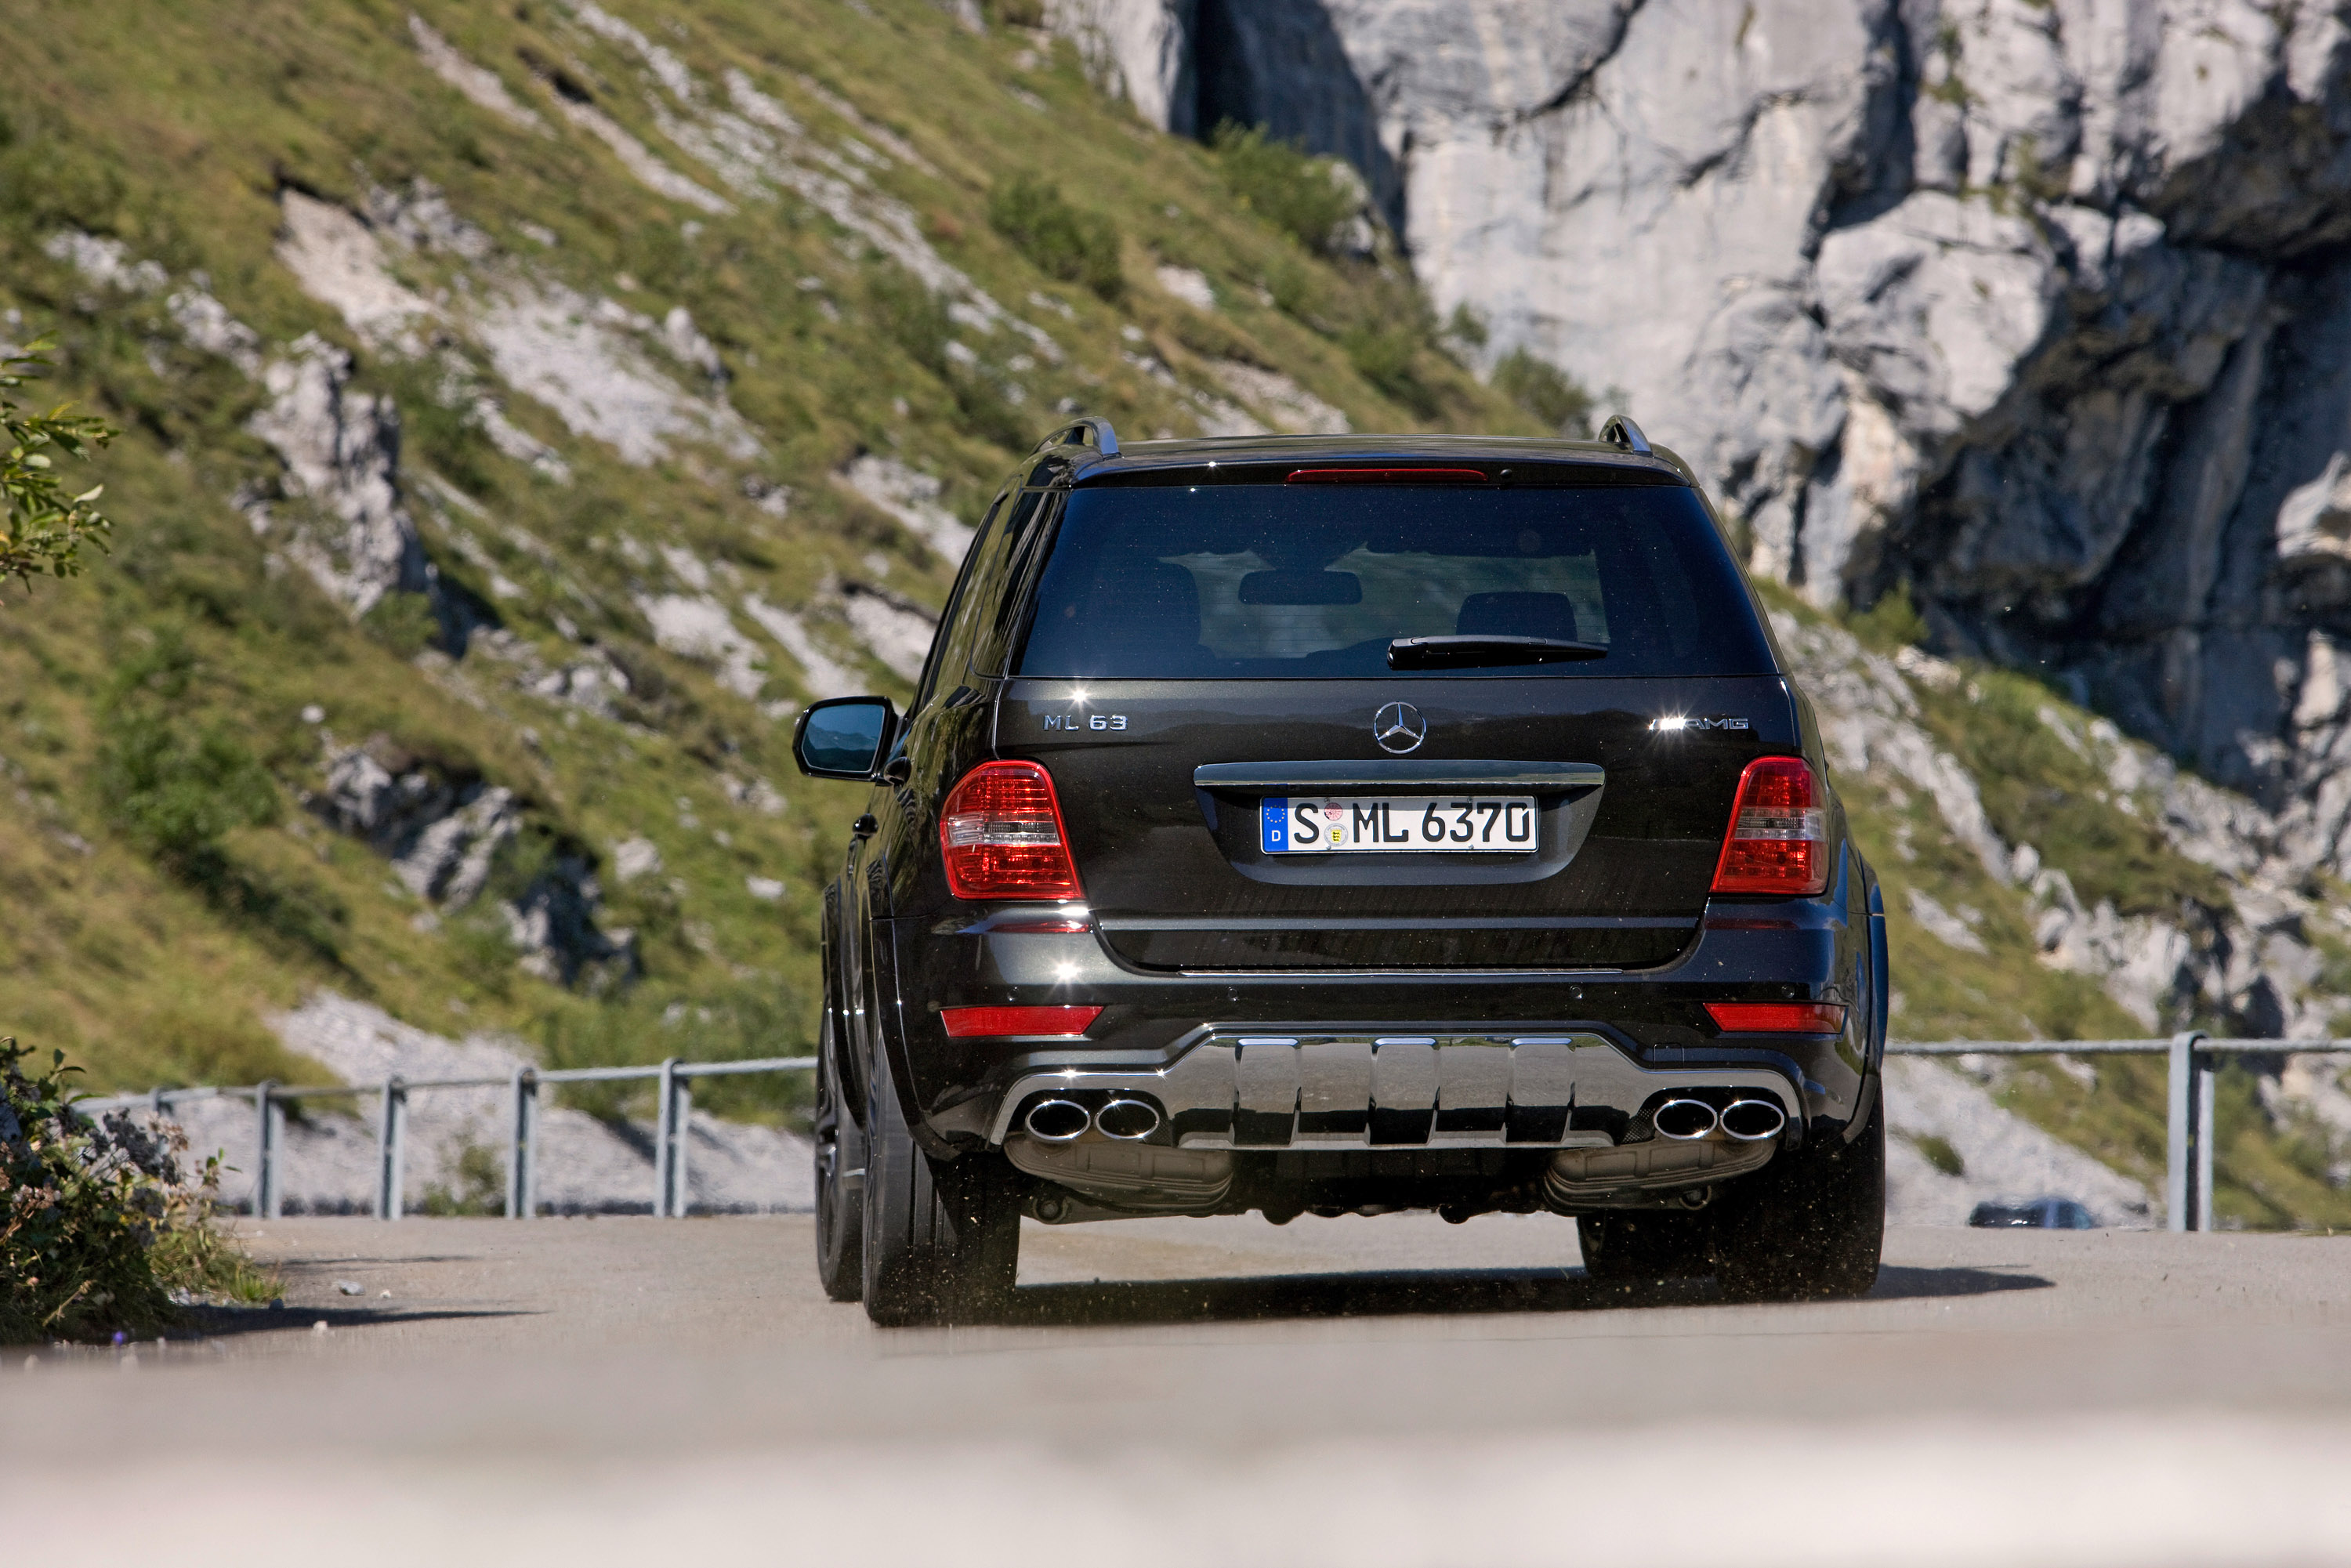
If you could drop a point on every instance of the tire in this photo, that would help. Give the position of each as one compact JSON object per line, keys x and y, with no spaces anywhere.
{"x":942,"y":1240}
{"x":840,"y":1180}
{"x":1809,"y":1227}
{"x":1645,"y":1246}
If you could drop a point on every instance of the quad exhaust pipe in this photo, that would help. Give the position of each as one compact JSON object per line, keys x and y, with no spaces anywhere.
{"x":1752,"y":1120}
{"x":1747,"y":1121}
{"x":1058,"y":1121}
{"x":1065,"y":1121}
{"x":1127,"y":1120}
{"x":1683,"y":1119}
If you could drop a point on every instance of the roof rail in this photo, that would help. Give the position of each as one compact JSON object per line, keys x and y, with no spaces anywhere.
{"x":1090,"y":430}
{"x":1620,"y":431}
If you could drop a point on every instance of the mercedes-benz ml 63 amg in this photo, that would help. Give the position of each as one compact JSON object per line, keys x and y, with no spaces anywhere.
{"x":1347,"y":825}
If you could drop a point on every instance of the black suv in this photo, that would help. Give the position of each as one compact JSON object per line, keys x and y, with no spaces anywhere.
{"x":1347,"y":825}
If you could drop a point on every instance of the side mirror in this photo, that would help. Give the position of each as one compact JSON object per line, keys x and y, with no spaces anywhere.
{"x":843,"y":738}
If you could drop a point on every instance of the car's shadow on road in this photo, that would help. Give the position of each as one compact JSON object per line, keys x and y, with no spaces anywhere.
{"x":1401,"y":1293}
{"x":232,"y":1323}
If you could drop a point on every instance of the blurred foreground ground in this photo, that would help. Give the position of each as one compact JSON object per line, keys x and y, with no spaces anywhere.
{"x":1358,"y":1391}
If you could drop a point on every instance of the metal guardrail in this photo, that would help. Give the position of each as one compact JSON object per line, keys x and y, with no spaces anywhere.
{"x":2194,"y":1067}
{"x":673,"y":1101}
{"x":2188,"y":1186}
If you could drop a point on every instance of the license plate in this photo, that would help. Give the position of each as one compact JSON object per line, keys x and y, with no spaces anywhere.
{"x":1348,"y":823}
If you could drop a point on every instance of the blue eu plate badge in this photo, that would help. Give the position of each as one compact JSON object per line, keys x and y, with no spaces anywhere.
{"x":1274,"y":822}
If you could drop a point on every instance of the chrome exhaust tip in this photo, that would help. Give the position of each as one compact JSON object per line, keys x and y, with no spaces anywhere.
{"x":1752,"y":1120}
{"x":1129,"y":1120}
{"x":1057,"y":1121}
{"x":1683,"y":1119}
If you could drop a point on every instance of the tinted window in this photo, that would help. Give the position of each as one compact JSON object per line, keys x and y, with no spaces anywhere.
{"x":1250,"y":580}
{"x":951,"y":645}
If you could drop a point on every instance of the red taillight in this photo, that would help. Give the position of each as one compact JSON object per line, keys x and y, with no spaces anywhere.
{"x":1778,"y":1017}
{"x":969,"y":1023}
{"x":1777,"y":840}
{"x":1001,"y":831}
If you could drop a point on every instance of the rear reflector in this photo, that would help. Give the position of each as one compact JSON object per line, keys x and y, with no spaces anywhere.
{"x":1778,"y":1017}
{"x":1778,"y":839}
{"x":970,"y":1023}
{"x":1001,"y":832}
{"x":1386,"y":476}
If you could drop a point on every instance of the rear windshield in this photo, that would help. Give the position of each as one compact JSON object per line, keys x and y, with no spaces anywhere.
{"x":1305,"y":581}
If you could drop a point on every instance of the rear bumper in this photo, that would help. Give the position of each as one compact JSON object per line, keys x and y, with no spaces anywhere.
{"x":1637,"y":1031}
{"x":1339,"y":1087}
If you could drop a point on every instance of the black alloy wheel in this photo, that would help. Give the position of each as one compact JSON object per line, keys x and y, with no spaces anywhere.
{"x":839,"y":1179}
{"x":942,"y":1236}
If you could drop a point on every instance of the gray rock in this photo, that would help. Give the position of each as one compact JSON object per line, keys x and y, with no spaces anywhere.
{"x":2027,"y":305}
{"x":443,"y":832}
{"x":340,"y":451}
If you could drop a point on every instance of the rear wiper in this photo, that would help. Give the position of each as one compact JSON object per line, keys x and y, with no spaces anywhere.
{"x":1458,"y":652}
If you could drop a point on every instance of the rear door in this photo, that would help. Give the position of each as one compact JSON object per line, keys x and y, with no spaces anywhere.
{"x":1205,"y":665}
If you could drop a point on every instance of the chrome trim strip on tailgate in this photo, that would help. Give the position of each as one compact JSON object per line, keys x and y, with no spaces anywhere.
{"x":1316,"y":777}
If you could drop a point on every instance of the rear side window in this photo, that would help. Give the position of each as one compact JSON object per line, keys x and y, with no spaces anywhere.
{"x":1250,"y":581}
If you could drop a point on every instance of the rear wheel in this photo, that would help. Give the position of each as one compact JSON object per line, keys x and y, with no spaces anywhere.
{"x":839,"y":1179}
{"x":1642,"y":1246}
{"x":942,"y":1240}
{"x":1807,"y":1226}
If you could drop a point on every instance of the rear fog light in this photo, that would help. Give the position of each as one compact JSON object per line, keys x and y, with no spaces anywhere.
{"x":1778,"y":1017}
{"x":978,"y":1023}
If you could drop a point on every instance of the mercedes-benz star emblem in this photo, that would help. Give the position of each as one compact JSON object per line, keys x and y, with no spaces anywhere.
{"x":1399,"y":728}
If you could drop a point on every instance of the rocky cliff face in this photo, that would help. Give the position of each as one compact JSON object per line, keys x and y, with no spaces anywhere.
{"x":2038,"y":306}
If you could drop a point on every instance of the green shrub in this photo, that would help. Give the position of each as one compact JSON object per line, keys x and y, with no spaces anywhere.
{"x":1388,"y":358}
{"x":916,"y":319}
{"x":1466,"y":327}
{"x":1281,"y":184}
{"x":42,"y":527}
{"x":1545,"y":391}
{"x":1892,"y":623}
{"x":177,"y":791}
{"x":403,"y":624}
{"x":99,"y":1231}
{"x":1061,"y":241}
{"x":1296,"y":291}
{"x":480,"y":1189}
{"x":177,"y":788}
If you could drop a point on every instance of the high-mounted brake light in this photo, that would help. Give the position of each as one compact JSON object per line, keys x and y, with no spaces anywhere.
{"x":1386,"y":476}
{"x":1001,"y":832}
{"x":1777,"y":1018}
{"x":1778,"y":839}
{"x":974,"y":1023}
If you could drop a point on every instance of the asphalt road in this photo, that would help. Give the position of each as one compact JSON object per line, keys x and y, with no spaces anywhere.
{"x":1359,"y":1391}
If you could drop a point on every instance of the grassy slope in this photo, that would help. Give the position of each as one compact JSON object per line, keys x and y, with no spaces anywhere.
{"x":180,"y":146}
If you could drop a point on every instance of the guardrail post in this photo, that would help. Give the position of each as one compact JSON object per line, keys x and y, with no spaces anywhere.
{"x":665,"y":1142}
{"x":2208,"y":1082}
{"x":2185,"y":1152}
{"x":269,"y":1123}
{"x":391,"y":1134}
{"x":522,"y":1147}
{"x":680,"y":1121}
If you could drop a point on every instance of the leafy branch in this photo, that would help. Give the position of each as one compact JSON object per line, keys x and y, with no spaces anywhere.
{"x":43,"y":529}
